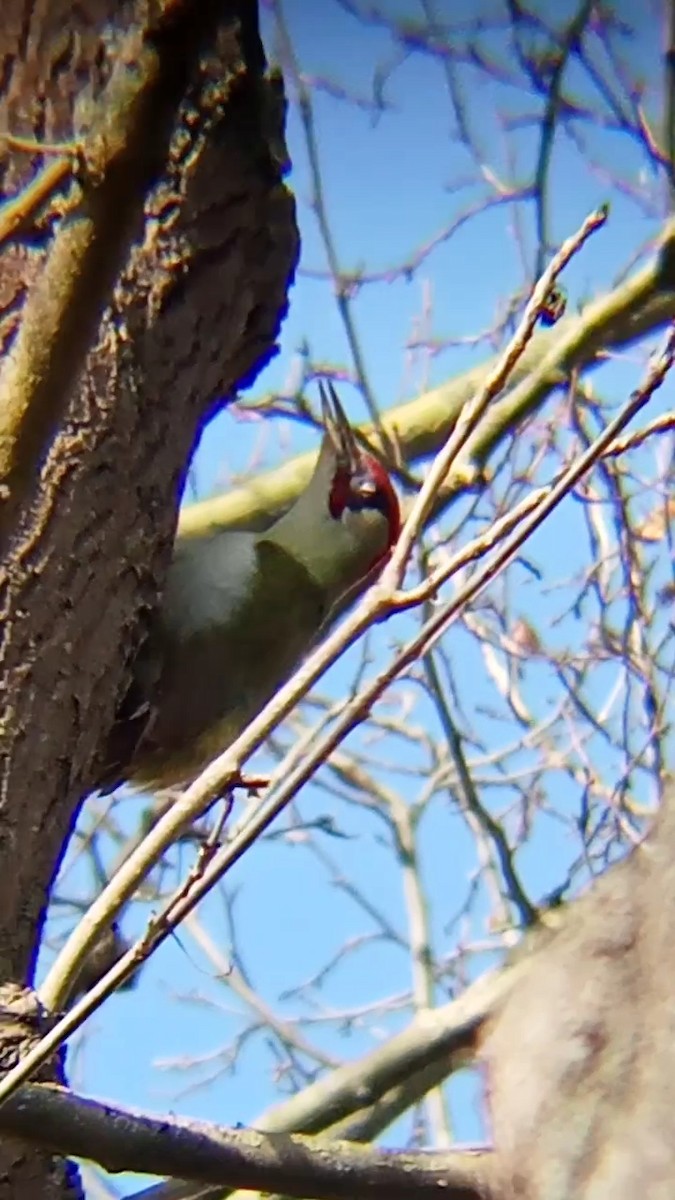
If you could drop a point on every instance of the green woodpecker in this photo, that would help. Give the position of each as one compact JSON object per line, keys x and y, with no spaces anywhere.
{"x":241,"y":610}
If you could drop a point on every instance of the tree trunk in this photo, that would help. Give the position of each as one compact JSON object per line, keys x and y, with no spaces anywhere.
{"x":582,"y":1054}
{"x":91,"y":509}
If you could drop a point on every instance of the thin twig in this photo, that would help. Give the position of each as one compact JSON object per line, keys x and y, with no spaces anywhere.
{"x":321,"y":212}
{"x":474,"y":409}
{"x":663,"y":424}
{"x":470,"y":799}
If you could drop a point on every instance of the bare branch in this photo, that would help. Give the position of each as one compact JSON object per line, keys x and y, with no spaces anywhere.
{"x":122,"y":1140}
{"x":471,"y":414}
{"x":643,"y":304}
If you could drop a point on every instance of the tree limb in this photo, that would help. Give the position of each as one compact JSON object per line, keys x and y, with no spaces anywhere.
{"x":641,"y":305}
{"x":121,"y":1140}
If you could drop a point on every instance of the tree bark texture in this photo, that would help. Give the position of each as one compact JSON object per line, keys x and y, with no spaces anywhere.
{"x":193,"y":314}
{"x":582,"y":1053}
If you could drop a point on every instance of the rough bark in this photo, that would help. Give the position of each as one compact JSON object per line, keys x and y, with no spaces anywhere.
{"x":194,"y":313}
{"x":582,"y":1053}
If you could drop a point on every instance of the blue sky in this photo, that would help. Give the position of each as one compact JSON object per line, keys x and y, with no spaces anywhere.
{"x":391,"y":182}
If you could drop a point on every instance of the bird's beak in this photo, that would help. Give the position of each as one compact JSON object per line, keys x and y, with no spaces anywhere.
{"x":338,"y":429}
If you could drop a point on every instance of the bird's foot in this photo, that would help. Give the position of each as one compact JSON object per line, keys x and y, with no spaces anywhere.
{"x":253,"y":784}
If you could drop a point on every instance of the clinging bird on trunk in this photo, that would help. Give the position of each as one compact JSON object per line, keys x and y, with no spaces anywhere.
{"x":241,"y":610}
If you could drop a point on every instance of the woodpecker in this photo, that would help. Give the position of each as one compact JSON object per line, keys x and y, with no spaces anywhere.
{"x":241,"y":610}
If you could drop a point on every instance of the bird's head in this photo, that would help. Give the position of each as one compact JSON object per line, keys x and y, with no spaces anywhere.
{"x":345,"y":523}
{"x":361,"y":496}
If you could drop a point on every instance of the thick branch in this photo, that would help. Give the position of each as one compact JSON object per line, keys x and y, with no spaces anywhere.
{"x":121,"y":1140}
{"x":641,"y":305}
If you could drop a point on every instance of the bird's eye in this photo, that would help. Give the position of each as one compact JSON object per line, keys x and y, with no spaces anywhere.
{"x":364,"y":492}
{"x":364,"y":486}
{"x":368,"y":487}
{"x":354,"y":490}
